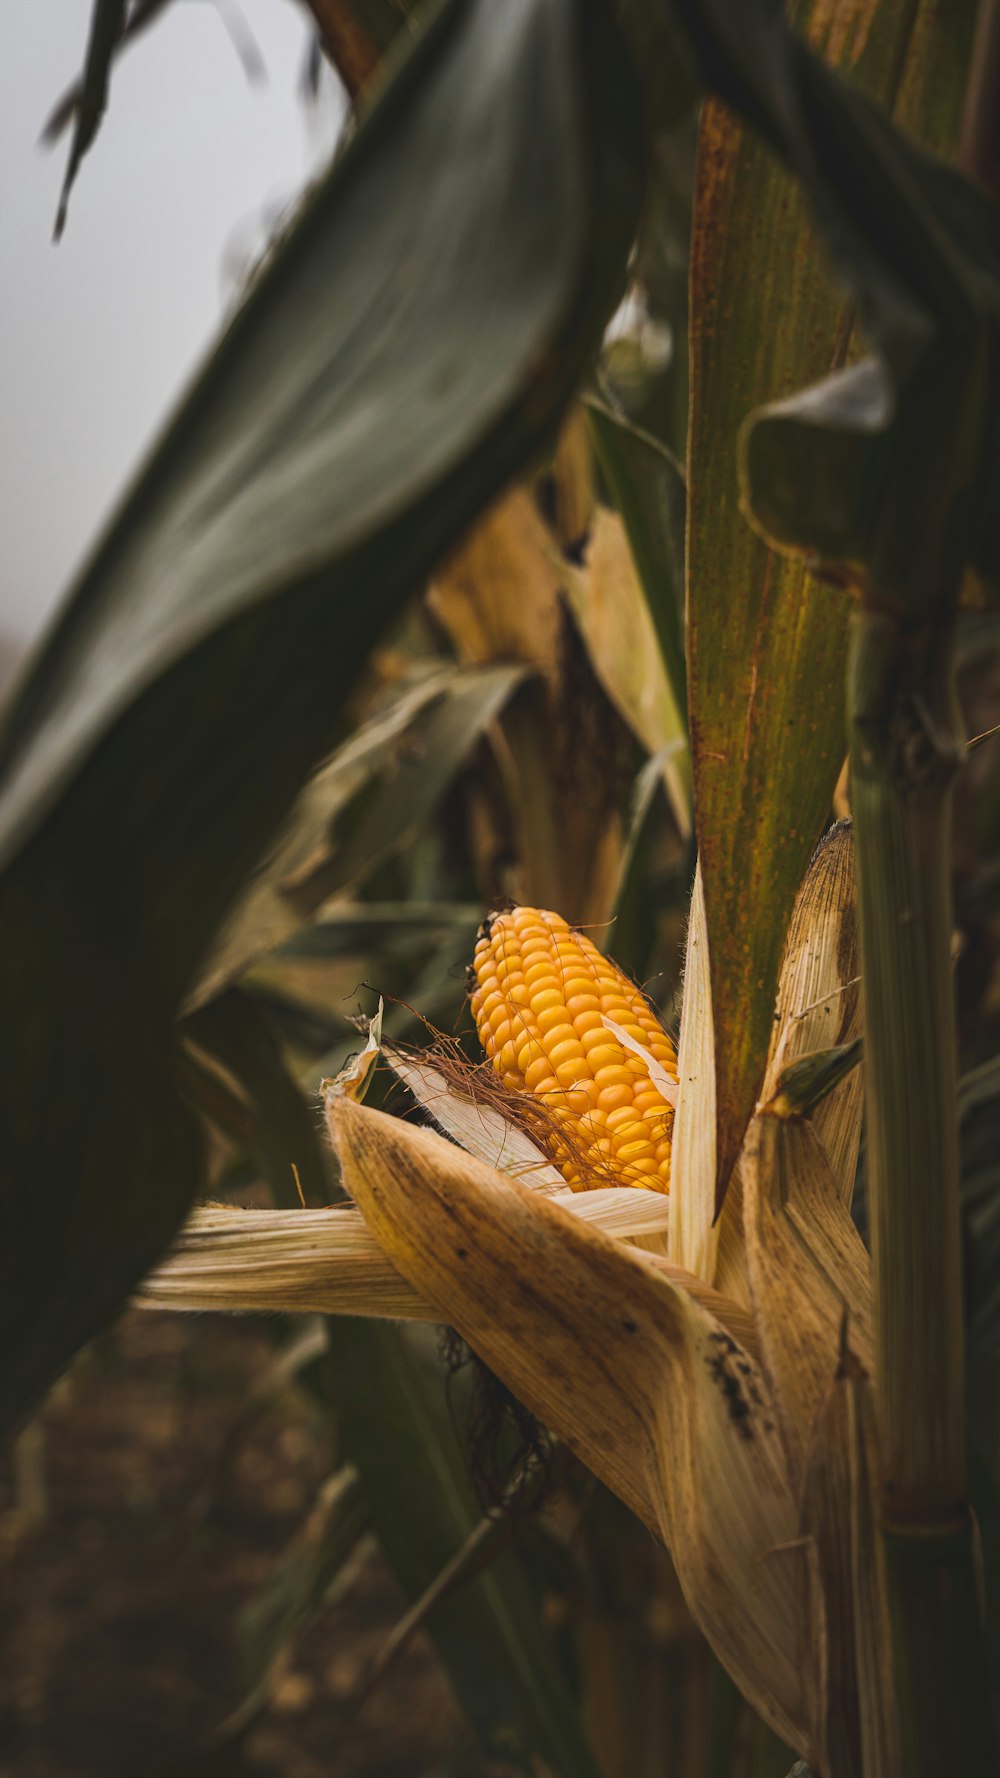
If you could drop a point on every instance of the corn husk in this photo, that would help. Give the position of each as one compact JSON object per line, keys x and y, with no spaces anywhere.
{"x":713,"y":1373}
{"x":819,"y":997}
{"x":855,"y":1721}
{"x":694,"y":1236}
{"x":327,"y":1261}
{"x":807,"y":1265}
{"x":808,"y":1269}
{"x":478,"y":1127}
{"x":638,"y":1367}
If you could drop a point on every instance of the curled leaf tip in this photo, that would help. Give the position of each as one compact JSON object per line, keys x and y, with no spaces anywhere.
{"x":804,"y":1085}
{"x":355,"y":1077}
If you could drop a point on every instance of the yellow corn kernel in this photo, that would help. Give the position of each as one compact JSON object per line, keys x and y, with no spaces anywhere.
{"x":556,"y":1046}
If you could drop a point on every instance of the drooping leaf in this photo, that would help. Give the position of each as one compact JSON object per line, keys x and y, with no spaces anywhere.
{"x":107,"y":21}
{"x":275,"y":902}
{"x":614,"y":616}
{"x":650,"y":494}
{"x":406,"y":799}
{"x":236,"y":1030}
{"x":766,"y":646}
{"x":414,"y":339}
{"x":141,"y":14}
{"x":350,"y":927}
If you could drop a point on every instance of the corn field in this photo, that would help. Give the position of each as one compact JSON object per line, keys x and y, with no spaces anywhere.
{"x":499,"y":867}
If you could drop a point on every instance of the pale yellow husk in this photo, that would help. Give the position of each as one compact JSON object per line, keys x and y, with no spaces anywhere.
{"x":327,"y":1261}
{"x":637,"y":1366}
{"x":819,"y":997}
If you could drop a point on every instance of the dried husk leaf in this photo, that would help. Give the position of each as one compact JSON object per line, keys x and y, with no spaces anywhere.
{"x":560,"y":749}
{"x":617,"y":625}
{"x":855,"y":1720}
{"x":476,"y":1126}
{"x":637,"y":1366}
{"x":819,"y":996}
{"x":694,"y":1236}
{"x":808,"y":1268}
{"x":294,"y":1261}
{"x":573,"y":481}
{"x":355,"y":1078}
{"x":664,"y":1083}
{"x":473,"y":594}
{"x":327,"y":1262}
{"x":806,"y":1082}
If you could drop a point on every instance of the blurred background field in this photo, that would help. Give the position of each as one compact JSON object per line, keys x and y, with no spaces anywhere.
{"x":134,"y":1539}
{"x":215,"y":1528}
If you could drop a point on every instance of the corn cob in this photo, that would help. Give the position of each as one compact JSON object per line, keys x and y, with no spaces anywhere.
{"x":541,"y":996}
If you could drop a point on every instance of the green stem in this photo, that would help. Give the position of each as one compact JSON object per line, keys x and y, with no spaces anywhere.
{"x":906,"y":744}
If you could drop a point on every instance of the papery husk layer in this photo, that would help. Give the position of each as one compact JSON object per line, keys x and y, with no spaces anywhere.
{"x":327,"y":1262}
{"x":819,"y":996}
{"x":694,"y":1235}
{"x":640,"y":1368}
{"x":854,"y":1709}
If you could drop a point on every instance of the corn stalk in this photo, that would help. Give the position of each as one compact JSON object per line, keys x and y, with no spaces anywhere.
{"x":905,"y":747}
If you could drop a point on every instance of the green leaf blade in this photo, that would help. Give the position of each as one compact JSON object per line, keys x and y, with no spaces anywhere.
{"x":766,"y":644}
{"x":413,"y":342}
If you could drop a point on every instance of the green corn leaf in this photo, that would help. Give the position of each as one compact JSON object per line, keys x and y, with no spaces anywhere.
{"x":236,"y":1030}
{"x":489,"y":1633}
{"x":766,"y":645}
{"x":274,"y":904}
{"x":414,"y":339}
{"x":406,"y":799}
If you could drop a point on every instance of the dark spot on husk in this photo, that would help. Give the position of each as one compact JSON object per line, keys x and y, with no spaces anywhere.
{"x":724,"y":1372}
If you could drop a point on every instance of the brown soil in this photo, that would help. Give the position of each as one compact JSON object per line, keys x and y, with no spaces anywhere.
{"x":126,"y":1554}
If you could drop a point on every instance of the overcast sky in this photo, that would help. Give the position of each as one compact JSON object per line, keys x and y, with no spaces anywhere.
{"x":99,"y":334}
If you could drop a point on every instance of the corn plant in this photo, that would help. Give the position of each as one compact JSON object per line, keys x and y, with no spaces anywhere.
{"x":651,"y":1248}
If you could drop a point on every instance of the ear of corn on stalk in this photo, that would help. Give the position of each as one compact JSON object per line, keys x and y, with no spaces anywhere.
{"x":646,"y":1378}
{"x":736,"y":1422}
